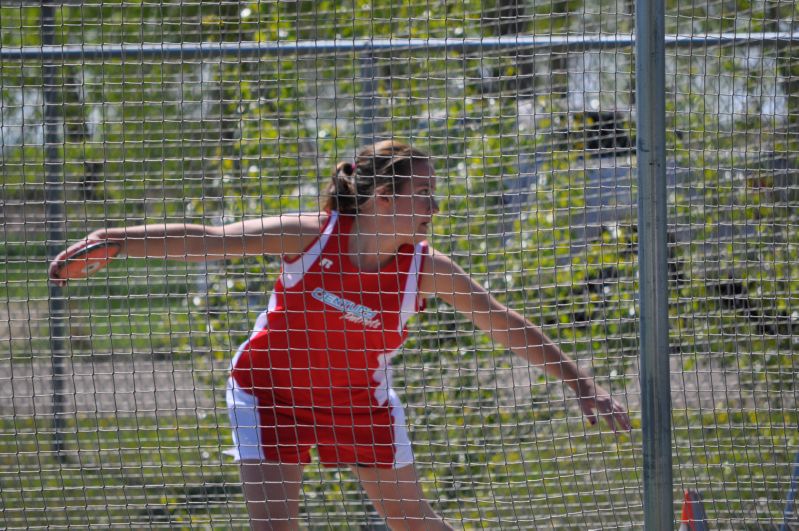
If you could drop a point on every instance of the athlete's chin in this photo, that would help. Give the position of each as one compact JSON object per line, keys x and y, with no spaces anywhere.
{"x":419,"y":234}
{"x":414,"y":238}
{"x":420,"y":237}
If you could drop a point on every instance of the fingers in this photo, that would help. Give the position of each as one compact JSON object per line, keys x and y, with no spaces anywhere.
{"x":621,"y":417}
{"x":617,"y":418}
{"x":614,"y":414}
{"x":54,"y":267}
{"x":81,"y":260}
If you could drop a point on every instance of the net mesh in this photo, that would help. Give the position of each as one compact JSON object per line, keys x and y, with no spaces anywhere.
{"x":112,"y":402}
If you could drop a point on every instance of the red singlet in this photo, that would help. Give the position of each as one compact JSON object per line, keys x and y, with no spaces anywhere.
{"x":316,"y":370}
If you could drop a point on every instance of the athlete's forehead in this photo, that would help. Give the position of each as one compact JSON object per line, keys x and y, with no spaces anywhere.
{"x":422,"y":168}
{"x":423,"y":175}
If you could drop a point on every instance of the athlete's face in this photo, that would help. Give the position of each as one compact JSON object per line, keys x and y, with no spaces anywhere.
{"x":414,"y":203}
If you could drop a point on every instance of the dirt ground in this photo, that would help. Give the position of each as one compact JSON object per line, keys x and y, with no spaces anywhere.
{"x":138,"y":387}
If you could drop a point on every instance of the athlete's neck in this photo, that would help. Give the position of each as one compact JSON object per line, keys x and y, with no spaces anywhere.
{"x":371,"y":248}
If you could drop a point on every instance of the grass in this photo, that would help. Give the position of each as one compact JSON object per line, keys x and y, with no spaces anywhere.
{"x":111,"y":316}
{"x":117,"y":471}
{"x":517,"y":468}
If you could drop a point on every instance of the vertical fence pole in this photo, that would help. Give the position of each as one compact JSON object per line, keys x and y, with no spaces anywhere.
{"x":366,"y":107}
{"x":366,"y":102}
{"x":56,"y":226}
{"x":650,"y":82}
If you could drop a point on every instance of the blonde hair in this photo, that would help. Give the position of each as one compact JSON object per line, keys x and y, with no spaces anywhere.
{"x":377,"y":166}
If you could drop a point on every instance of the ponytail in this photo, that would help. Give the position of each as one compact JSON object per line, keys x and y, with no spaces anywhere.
{"x":342,"y":192}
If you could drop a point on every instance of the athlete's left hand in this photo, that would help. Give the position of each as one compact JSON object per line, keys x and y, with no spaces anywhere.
{"x":82,"y":259}
{"x":596,"y":402}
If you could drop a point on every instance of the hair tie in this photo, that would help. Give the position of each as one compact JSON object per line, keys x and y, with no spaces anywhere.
{"x":346,"y":168}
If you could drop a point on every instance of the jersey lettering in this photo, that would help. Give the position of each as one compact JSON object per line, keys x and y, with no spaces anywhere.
{"x":353,"y":312}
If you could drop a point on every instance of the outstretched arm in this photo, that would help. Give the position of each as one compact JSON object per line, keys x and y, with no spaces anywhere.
{"x":286,"y":235}
{"x":280,"y":235}
{"x":447,"y":281}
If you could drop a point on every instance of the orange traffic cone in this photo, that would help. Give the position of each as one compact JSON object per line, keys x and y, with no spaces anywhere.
{"x":693,"y":517}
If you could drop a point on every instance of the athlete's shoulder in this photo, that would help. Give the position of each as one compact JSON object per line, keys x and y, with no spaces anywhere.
{"x":297,"y":230}
{"x":438,"y":261}
{"x":302,"y":224}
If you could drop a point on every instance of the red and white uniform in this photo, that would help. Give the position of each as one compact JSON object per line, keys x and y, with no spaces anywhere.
{"x":316,"y":370}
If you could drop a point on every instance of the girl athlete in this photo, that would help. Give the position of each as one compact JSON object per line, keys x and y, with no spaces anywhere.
{"x":315,"y":373}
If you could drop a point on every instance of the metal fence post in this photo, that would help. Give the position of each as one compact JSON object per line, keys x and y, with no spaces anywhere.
{"x":366,"y":101}
{"x":650,"y":81}
{"x":56,"y":227}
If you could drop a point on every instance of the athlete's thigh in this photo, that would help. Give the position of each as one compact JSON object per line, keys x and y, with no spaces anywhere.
{"x":398,"y":497}
{"x":272,"y":493}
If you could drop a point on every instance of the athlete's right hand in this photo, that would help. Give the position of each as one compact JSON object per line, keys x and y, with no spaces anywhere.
{"x":82,"y":259}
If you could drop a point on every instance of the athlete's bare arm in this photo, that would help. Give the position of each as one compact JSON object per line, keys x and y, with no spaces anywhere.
{"x":446,"y":280}
{"x":285,"y":235}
